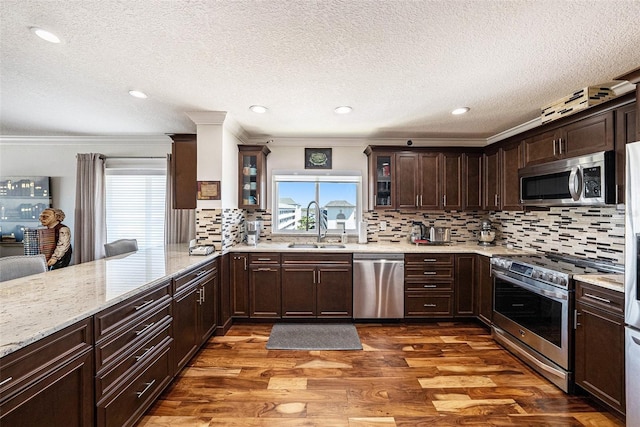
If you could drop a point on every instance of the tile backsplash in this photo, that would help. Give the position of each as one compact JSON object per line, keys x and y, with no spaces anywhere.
{"x":578,"y":231}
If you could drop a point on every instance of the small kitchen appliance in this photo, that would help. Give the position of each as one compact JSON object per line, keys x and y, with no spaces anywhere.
{"x":440,"y":235}
{"x":418,"y":232}
{"x":486,"y":236}
{"x":253,"y":232}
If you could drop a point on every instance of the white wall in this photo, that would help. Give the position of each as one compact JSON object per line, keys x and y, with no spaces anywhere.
{"x":56,"y":157}
{"x":347,"y":156}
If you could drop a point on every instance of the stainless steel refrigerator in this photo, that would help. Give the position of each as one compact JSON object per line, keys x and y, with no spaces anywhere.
{"x":632,"y":291}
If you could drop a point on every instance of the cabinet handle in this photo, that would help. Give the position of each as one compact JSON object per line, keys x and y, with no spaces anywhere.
{"x":417,"y":201}
{"x":201,"y":273}
{"x":146,"y":351}
{"x":314,"y":277}
{"x":6,"y":381}
{"x":429,"y":286}
{"x":575,"y":319}
{"x":606,"y":301}
{"x":429,"y":305}
{"x":146,"y":388}
{"x":319,"y":277}
{"x":264,"y":259}
{"x":144,"y":304}
{"x":263,"y":269}
{"x":143,"y":330}
{"x":429,"y":260}
{"x":495,"y":199}
{"x":245,"y":262}
{"x":554,"y":148}
{"x":429,"y":273}
{"x":444,"y":200}
{"x":257,"y":199}
{"x":203,"y":296}
{"x":560,"y":145}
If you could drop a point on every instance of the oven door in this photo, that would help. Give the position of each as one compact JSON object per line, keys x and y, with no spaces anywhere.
{"x":535,"y":314}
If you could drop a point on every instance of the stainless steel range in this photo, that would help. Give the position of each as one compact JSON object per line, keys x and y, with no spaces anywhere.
{"x":533,"y":310}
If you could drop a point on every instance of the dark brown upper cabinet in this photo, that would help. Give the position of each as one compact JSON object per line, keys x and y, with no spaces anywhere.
{"x":252,"y":176}
{"x":184,"y":160}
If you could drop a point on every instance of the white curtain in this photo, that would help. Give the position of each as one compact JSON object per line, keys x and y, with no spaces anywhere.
{"x":90,"y":226}
{"x":180,"y":224}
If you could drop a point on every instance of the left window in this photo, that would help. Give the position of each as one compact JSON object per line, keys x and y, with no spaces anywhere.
{"x":135,"y":200}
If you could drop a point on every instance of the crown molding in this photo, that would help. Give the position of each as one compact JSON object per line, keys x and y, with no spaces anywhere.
{"x":207,"y":117}
{"x":363,"y":141}
{"x":85,"y":140}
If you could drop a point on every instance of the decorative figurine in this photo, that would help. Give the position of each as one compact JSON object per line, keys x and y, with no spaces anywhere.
{"x":55,"y":241}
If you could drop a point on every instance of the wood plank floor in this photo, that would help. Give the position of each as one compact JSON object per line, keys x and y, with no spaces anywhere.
{"x":437,"y":374}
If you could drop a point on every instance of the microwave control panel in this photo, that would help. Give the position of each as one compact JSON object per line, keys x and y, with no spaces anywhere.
{"x":592,"y":182}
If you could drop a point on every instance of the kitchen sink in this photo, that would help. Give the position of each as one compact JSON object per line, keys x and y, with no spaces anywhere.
{"x":316,"y":246}
{"x":303,"y":245}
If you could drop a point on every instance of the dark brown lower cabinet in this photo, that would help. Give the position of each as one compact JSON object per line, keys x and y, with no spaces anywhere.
{"x":318,"y":286}
{"x":485,"y":290}
{"x":50,"y":382}
{"x":264,"y":286}
{"x":194,"y":311}
{"x":599,"y":347}
{"x":465,"y":285}
{"x":239,"y":277}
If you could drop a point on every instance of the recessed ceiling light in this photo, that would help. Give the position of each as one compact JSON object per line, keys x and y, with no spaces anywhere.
{"x":138,"y":94}
{"x":258,"y":109}
{"x":45,"y":35}
{"x":345,"y":109}
{"x":460,"y":110}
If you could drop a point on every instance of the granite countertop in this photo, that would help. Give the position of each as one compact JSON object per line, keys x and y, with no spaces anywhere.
{"x":614,"y":282}
{"x":36,"y":306}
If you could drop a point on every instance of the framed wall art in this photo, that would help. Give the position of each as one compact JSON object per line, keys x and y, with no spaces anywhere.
{"x":317,"y":158}
{"x":208,"y":190}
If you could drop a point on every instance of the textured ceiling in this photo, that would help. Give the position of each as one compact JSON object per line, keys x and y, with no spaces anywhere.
{"x":402,"y":65}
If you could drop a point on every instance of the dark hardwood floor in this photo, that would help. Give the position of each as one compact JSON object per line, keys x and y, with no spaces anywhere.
{"x":408,"y":375}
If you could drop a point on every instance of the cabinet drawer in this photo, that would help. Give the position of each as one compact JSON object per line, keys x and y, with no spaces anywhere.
{"x":135,"y":357}
{"x":598,"y":296}
{"x":125,"y":405}
{"x":428,"y":287}
{"x":202,"y":273}
{"x":321,"y":258}
{"x":112,"y":318}
{"x":264,"y":258}
{"x":30,"y":363}
{"x":429,"y":259}
{"x":428,"y":305}
{"x":108,"y":351}
{"x":428,"y":274}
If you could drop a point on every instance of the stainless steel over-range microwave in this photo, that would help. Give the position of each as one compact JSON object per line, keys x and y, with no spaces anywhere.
{"x":586,"y":180}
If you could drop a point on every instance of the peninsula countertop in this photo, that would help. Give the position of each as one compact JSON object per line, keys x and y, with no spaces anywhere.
{"x":36,"y":306}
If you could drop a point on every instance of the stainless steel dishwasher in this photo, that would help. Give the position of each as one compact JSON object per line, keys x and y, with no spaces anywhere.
{"x":378,"y":286}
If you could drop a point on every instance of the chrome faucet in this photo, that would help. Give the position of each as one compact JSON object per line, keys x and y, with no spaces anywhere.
{"x":318,"y":220}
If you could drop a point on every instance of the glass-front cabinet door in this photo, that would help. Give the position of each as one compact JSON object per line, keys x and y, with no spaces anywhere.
{"x":252,"y":173}
{"x":381,"y":179}
{"x":22,"y":199}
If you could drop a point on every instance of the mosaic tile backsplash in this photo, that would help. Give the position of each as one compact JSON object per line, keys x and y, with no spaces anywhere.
{"x":577,"y":231}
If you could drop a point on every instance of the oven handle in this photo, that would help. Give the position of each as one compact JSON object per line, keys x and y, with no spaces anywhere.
{"x":557,"y":295}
